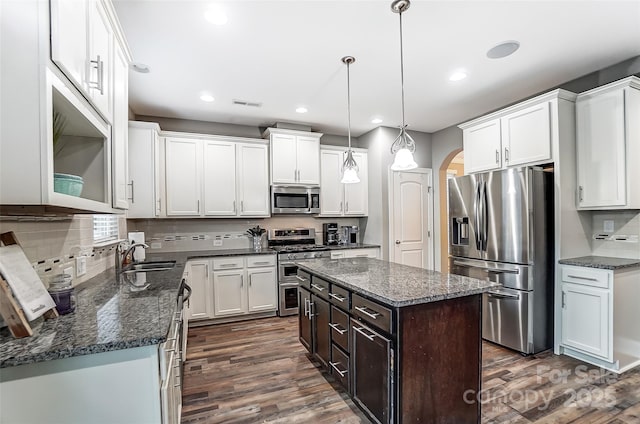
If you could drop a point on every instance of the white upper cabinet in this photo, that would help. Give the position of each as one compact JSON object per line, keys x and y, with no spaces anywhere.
{"x":216,"y":176}
{"x":99,"y":61}
{"x":219,"y":178}
{"x":337,"y":199}
{"x":295,"y":156}
{"x":183,"y":176}
{"x":253,"y":179}
{"x":523,"y":134}
{"x":69,"y":39}
{"x":482,"y":147}
{"x":608,"y":139}
{"x":144,"y":196}
{"x":120,"y":128}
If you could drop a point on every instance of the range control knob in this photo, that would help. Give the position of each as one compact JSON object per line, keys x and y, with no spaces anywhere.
{"x":308,"y":255}
{"x":318,"y":255}
{"x":291,"y":256}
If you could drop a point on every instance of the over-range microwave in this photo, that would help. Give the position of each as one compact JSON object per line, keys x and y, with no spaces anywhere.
{"x":295,"y":199}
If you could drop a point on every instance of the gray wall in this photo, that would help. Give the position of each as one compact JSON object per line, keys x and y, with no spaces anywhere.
{"x":449,"y":139}
{"x":378,"y":142}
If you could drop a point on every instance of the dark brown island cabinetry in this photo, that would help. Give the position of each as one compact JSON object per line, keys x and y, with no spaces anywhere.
{"x":400,"y":364}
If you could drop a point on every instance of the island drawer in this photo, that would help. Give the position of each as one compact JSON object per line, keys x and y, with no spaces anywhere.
{"x":304,"y":278}
{"x":340,"y":367}
{"x":339,"y":328}
{"x":339,"y":296}
{"x":320,"y":287}
{"x":371,"y":312}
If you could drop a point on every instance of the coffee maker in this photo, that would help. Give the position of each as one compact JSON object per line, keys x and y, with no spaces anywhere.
{"x":349,"y":234}
{"x":330,"y":233}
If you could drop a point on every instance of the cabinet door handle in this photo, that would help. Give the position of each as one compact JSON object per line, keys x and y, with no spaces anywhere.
{"x":338,"y":297}
{"x":497,"y":156}
{"x":242,"y":281}
{"x":580,"y":193}
{"x":363,"y":309}
{"x":317,"y":287}
{"x":577,"y":277}
{"x":250,"y":275}
{"x":564,"y":300}
{"x":234,"y":206}
{"x":198,"y":206}
{"x":99,"y":66}
{"x":311,"y":314}
{"x":337,"y":328}
{"x":131,"y":198}
{"x":368,"y":336}
{"x":241,"y":206}
{"x":506,"y":154}
{"x":340,"y":207}
{"x":306,"y":307}
{"x":334,"y":365}
{"x":346,"y":208}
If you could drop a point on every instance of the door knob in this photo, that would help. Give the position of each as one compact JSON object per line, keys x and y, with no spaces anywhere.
{"x":397,"y":241}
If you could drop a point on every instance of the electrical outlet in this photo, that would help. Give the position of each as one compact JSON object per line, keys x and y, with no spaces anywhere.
{"x":81,"y":265}
{"x":68,"y":271}
{"x":608,"y":226}
{"x":217,"y":242}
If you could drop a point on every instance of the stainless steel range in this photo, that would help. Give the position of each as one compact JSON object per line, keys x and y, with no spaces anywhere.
{"x":293,"y":245}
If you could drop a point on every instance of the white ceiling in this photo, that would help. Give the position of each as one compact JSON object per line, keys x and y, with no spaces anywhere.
{"x":287,"y":53}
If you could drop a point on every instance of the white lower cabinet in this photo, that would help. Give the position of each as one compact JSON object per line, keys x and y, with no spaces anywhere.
{"x":368,"y":252}
{"x":599,"y":316}
{"x":232,"y":286}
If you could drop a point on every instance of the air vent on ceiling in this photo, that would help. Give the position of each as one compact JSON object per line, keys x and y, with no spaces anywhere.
{"x":246,"y":103}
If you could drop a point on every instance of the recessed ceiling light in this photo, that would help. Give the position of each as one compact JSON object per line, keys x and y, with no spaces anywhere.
{"x":207,"y":98}
{"x":140,"y":67}
{"x":216,"y":15}
{"x":301,"y":109}
{"x":457,"y":76}
{"x":376,"y":121}
{"x":503,"y":49}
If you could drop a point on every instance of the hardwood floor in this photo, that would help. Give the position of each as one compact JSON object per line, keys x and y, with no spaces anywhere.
{"x":257,"y":371}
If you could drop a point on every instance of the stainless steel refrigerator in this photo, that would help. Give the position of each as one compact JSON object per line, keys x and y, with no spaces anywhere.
{"x":501,"y":229}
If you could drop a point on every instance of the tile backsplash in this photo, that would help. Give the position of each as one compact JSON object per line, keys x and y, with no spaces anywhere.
{"x":52,"y":243}
{"x":199,"y":234}
{"x":616,"y":234}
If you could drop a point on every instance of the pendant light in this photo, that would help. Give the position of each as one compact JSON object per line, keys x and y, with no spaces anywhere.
{"x":349,"y":166}
{"x":403,"y":146}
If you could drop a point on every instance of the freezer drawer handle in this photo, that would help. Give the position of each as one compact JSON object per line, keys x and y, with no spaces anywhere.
{"x":494,"y":270}
{"x":503,"y":295}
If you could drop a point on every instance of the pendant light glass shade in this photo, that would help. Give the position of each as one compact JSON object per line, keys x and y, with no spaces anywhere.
{"x":403,"y":146}
{"x":349,"y":166}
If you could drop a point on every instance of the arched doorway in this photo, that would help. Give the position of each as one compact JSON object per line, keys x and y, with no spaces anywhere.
{"x":452,"y":166}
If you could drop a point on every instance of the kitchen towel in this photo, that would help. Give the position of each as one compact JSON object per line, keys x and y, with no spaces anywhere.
{"x":139,"y":252}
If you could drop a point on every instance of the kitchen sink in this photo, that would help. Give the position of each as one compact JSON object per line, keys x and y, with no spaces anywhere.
{"x":149,"y":266}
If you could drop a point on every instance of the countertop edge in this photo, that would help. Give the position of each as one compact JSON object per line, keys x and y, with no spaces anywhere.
{"x":601,"y":262}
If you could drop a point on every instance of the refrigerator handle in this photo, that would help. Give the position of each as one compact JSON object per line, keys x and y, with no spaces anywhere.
{"x":485,"y":219}
{"x":476,"y":217}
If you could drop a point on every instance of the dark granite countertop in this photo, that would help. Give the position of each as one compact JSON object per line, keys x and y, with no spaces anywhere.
{"x":601,"y":262}
{"x":110,"y":314}
{"x":183,"y":257}
{"x":352,"y":246}
{"x":393,"y":284}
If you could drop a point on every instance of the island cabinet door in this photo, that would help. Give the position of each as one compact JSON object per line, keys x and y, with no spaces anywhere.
{"x":304,"y":318}
{"x":320,"y":312}
{"x":371,"y":362}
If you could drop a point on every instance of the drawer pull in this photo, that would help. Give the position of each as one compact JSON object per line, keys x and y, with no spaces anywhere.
{"x":261,"y":263}
{"x":368,"y":336}
{"x":300,"y":278}
{"x":363,"y":309}
{"x":317,"y":287}
{"x":334,"y":365}
{"x":229,"y":265}
{"x":582,"y":278}
{"x":337,"y":328}
{"x":338,"y":297}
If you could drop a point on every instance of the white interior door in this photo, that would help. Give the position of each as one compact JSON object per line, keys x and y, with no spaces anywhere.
{"x":411,"y":218}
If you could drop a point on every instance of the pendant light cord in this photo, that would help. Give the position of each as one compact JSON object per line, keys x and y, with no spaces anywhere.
{"x":401,"y":69}
{"x":349,"y":102}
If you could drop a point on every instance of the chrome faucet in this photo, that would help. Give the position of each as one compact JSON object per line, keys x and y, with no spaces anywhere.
{"x":121,"y":258}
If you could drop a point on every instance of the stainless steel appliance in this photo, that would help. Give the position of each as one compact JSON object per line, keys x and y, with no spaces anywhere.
{"x":330,"y":233}
{"x":295,"y":200}
{"x":349,"y":234}
{"x":501,"y":229}
{"x":293,"y":244}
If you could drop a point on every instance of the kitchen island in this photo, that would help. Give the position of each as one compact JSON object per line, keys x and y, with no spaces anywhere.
{"x":404,"y":342}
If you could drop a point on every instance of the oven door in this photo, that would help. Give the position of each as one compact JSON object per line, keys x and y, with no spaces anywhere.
{"x":288,"y":299}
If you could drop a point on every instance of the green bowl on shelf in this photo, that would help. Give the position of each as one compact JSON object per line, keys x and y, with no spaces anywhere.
{"x":67,"y":184}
